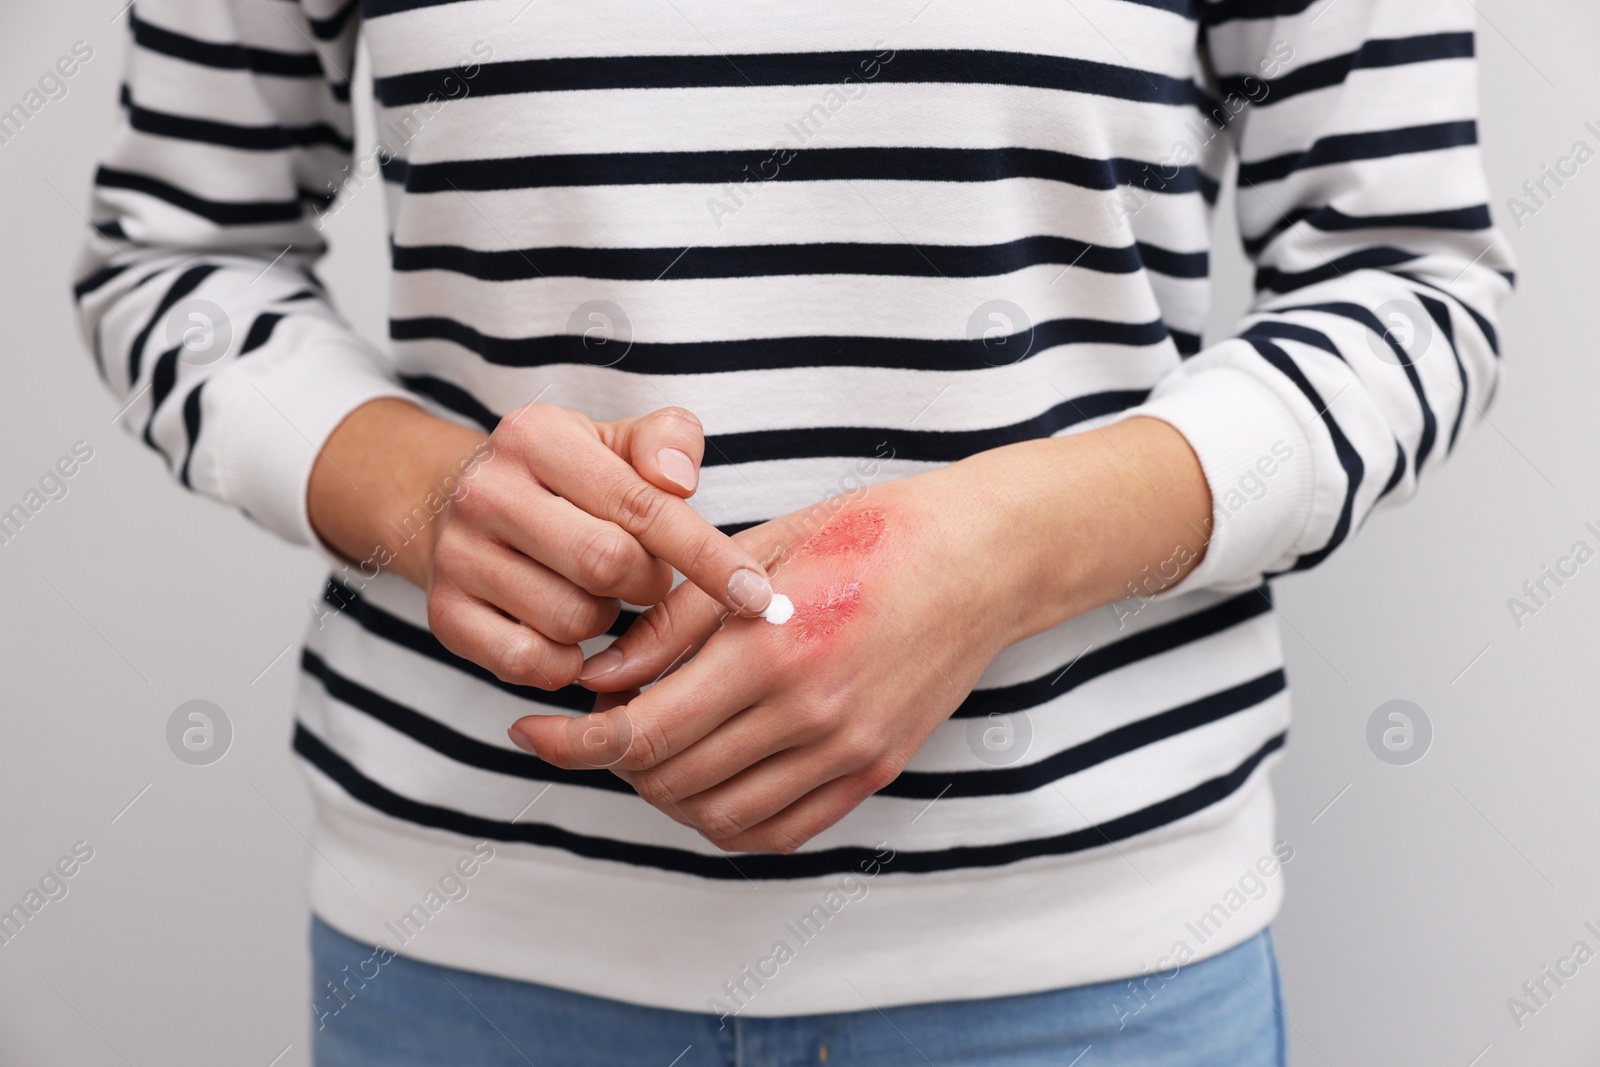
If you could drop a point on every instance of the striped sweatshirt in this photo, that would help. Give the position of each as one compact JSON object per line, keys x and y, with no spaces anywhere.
{"x":858,"y":240}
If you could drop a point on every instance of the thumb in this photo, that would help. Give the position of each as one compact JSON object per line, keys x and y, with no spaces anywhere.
{"x":664,"y":637}
{"x":665,"y":447}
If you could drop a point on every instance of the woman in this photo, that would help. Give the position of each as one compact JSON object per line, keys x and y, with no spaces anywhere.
{"x":908,"y":299}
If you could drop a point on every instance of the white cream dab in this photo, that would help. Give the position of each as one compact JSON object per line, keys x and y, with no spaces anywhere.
{"x":780,"y":611}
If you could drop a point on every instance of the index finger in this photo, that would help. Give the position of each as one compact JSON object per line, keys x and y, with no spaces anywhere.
{"x":586,"y":472}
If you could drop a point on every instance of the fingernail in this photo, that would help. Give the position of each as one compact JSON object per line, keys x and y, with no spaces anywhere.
{"x":603,"y":662}
{"x":750,"y":591}
{"x":678,"y":468}
{"x":520,"y":739}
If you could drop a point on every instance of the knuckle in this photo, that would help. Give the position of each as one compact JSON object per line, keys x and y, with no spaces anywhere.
{"x":658,"y":790}
{"x":648,"y":746}
{"x":450,"y":554}
{"x":639,"y":506}
{"x":575,"y":617}
{"x":518,"y":660}
{"x":657,"y":623}
{"x":533,"y":415}
{"x":603,"y":560}
{"x":719,"y":823}
{"x":784,"y":841}
{"x":814,"y":718}
{"x":475,"y":508}
{"x":699,"y":552}
{"x":880,"y":772}
{"x":523,"y":662}
{"x":440,"y":615}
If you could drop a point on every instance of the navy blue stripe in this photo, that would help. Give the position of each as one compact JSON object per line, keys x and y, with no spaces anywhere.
{"x":224,"y":56}
{"x":162,"y":378}
{"x":1376,"y":258}
{"x":1217,"y":12}
{"x":260,"y":331}
{"x":229,"y":135}
{"x":452,"y":397}
{"x":931,"y":446}
{"x":1187,"y":343}
{"x":1439,"y":312}
{"x":451,"y":743}
{"x":922,"y":164}
{"x":331,"y":27}
{"x":224,"y":213}
{"x":1373,"y":54}
{"x":772,"y":260}
{"x":1290,"y":331}
{"x":373,"y":9}
{"x":1349,"y":458}
{"x":94,"y":281}
{"x":960,"y":66}
{"x":765,"y":866}
{"x":771,"y":353}
{"x":1098,"y":662}
{"x":1395,"y":475}
{"x":1484,"y":325}
{"x":1189,"y":9}
{"x":191,"y":430}
{"x":1329,"y":219}
{"x":1350,"y":147}
{"x":928,"y":785}
{"x":351,"y":605}
{"x":187,"y":283}
{"x":1364,"y":316}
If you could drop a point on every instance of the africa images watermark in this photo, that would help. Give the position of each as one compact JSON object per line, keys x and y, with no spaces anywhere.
{"x":452,"y":886}
{"x":1537,"y":592}
{"x":803,"y":129}
{"x":1248,"y":888}
{"x":401,"y":131}
{"x":1536,"y":992}
{"x":1253,"y":485}
{"x":1537,"y":192}
{"x":50,"y":86}
{"x":52,"y":886}
{"x":52,"y":487}
{"x":804,"y":929}
{"x":1136,"y":197}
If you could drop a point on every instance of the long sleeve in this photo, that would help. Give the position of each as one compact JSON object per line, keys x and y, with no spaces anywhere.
{"x":195,"y":291}
{"x":1370,"y":347}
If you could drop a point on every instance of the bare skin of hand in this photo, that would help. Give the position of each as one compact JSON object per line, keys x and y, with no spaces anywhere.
{"x":769,"y":734}
{"x":527,"y":540}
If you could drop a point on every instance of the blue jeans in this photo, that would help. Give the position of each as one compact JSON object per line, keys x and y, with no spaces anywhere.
{"x":1223,"y":1012}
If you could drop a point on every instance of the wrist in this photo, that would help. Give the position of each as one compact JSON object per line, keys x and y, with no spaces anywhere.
{"x":1093,"y":518}
{"x":382,"y":481}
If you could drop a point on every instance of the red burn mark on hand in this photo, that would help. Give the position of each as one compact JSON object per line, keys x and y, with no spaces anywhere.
{"x":854,"y":533}
{"x":824,"y":615}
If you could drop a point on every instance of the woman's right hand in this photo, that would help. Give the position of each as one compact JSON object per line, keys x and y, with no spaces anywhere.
{"x":526,"y":541}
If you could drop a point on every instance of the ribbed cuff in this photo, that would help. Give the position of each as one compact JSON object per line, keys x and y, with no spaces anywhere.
{"x":273,"y":431}
{"x":1257,"y":460}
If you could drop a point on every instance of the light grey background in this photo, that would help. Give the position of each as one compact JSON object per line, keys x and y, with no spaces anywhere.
{"x":1420,"y":898}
